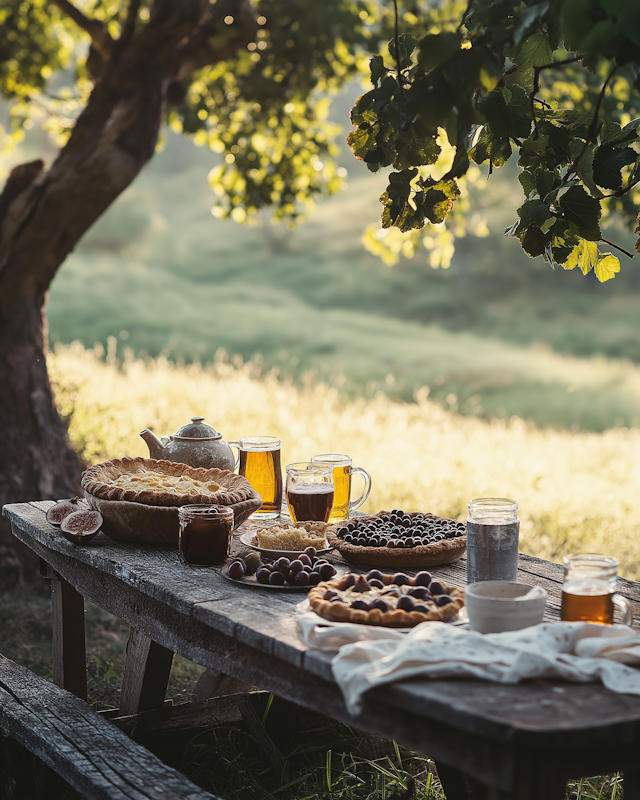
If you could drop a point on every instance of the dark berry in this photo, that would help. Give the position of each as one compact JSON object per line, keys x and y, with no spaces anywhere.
{"x":329,"y":594}
{"x":360,"y":604}
{"x":380,"y":604}
{"x":400,"y":579}
{"x":296,"y":566}
{"x":342,"y":532}
{"x":327,"y":571}
{"x":263,"y":575}
{"x":311,"y":552}
{"x":375,"y":582}
{"x":283,"y":565}
{"x":421,"y":608}
{"x":301,"y":578}
{"x":349,"y":580}
{"x":348,"y":538}
{"x":405,"y":603}
{"x":406,"y":522}
{"x":374,"y":573}
{"x":276,"y":578}
{"x":436,"y":587}
{"x":351,"y":526}
{"x":314,"y":578}
{"x":419,"y":591}
{"x":409,"y":542}
{"x":305,"y":559}
{"x":422,"y":578}
{"x":236,"y":570}
{"x":336,"y":599}
{"x":290,"y":578}
{"x":444,"y":600}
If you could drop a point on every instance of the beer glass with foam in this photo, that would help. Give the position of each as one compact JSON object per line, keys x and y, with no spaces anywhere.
{"x":259,"y":462}
{"x":589,"y":590}
{"x":309,"y":491}
{"x":342,"y":472}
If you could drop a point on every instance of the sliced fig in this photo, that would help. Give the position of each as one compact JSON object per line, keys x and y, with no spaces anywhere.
{"x":81,"y":526}
{"x":62,"y":509}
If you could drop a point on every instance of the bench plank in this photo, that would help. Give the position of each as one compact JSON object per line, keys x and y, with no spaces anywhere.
{"x":87,"y":751}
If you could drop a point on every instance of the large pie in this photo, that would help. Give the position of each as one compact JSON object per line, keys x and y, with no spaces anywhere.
{"x":164,"y":483}
{"x":393,"y":601}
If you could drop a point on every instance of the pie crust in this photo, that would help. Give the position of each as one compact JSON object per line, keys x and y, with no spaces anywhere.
{"x":292,"y":536}
{"x":394,"y":618}
{"x":164,"y":483}
{"x":443,"y":552}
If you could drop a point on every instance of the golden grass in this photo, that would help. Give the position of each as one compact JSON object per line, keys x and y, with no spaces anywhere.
{"x":577,"y":491}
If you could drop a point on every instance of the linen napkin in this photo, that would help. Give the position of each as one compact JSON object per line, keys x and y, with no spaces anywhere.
{"x":576,"y":651}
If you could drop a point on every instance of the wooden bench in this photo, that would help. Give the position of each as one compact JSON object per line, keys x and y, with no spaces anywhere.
{"x":81,"y":746}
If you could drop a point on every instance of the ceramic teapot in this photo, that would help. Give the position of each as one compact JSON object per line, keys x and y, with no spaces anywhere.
{"x":196,"y":444}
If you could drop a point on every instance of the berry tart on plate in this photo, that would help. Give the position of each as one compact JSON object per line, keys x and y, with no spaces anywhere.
{"x":393,"y":601}
{"x":397,"y":539}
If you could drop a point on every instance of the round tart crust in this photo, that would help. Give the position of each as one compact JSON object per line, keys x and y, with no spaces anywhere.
{"x":424,"y":555}
{"x":396,"y":618}
{"x":98,"y":481}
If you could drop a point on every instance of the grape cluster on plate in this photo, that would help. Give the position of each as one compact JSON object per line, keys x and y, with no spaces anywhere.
{"x":399,"y":530}
{"x":305,"y":570}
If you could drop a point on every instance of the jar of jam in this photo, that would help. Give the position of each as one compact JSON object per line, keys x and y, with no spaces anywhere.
{"x":205,"y":534}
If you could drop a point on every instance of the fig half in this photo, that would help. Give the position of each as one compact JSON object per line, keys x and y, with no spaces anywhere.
{"x":62,"y":509}
{"x":81,"y":526}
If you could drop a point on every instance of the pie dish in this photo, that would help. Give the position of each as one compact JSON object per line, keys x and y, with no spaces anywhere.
{"x":387,"y":539}
{"x":392,"y":601}
{"x":139,"y":497}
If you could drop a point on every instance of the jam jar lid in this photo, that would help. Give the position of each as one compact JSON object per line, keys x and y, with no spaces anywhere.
{"x":197,"y":429}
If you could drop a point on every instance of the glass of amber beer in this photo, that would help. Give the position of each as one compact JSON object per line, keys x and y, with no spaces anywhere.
{"x":309,"y":491}
{"x":342,"y":472}
{"x":259,"y":463}
{"x":589,"y":590}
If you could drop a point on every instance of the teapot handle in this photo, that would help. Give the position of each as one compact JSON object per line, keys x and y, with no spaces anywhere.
{"x":237,"y":446}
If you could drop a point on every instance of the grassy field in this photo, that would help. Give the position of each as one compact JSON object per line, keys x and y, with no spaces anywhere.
{"x":496,"y":334}
{"x":577,"y":491}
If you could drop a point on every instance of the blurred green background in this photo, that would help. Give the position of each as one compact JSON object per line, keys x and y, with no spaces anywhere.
{"x":497,"y":334}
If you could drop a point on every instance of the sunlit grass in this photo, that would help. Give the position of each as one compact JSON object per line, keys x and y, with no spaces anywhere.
{"x":577,"y":491}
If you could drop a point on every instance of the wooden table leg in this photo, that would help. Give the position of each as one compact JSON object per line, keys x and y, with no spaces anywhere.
{"x":69,"y":650}
{"x":146,"y":675}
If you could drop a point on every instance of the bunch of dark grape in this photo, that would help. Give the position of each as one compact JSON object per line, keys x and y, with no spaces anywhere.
{"x":306,"y":570}
{"x":400,"y":530}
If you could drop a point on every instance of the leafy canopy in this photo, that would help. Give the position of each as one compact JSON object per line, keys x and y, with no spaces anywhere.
{"x":555,"y":82}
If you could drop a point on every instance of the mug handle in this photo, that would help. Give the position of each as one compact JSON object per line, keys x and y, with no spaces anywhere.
{"x":365,"y":492}
{"x":237,"y":446}
{"x":625,"y":607}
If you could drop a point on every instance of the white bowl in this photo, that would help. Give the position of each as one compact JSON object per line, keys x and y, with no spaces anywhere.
{"x":496,"y":606}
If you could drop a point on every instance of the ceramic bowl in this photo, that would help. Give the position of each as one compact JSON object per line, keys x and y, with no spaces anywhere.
{"x":496,"y":606}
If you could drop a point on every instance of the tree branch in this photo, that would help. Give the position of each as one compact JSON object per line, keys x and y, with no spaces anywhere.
{"x":617,"y":247}
{"x":593,"y":125}
{"x":129,"y":25}
{"x":536,"y":88}
{"x":100,"y":38}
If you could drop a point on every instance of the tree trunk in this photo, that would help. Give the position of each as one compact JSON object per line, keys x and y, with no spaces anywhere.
{"x":43,"y":214}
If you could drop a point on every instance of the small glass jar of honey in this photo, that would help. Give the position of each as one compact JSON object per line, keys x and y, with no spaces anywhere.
{"x":205,"y":534}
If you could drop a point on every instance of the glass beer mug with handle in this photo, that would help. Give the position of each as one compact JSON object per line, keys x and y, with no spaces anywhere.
{"x":309,"y":491}
{"x":342,"y":472}
{"x":259,"y":462}
{"x":589,"y":590}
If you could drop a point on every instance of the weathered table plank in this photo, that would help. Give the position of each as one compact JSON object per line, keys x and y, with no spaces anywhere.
{"x":90,"y":753}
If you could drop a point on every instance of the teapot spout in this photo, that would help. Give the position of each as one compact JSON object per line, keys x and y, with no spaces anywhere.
{"x":156,"y":448}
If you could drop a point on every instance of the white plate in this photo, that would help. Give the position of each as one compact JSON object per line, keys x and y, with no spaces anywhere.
{"x":248,"y":538}
{"x":250,"y":580}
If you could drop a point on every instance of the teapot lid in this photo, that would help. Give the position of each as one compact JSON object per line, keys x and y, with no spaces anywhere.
{"x":197,"y":429}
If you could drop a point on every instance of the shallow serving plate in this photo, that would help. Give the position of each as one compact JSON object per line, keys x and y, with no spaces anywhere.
{"x":251,"y":582}
{"x":249,"y":539}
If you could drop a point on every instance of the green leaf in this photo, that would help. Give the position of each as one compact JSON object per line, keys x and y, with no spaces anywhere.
{"x":406,"y":45}
{"x":584,"y":167}
{"x":564,"y":239}
{"x":585,"y":256}
{"x":528,"y":182}
{"x":361,"y":141}
{"x":489,"y":148}
{"x":533,"y":242}
{"x":613,"y":135}
{"x":534,"y":51}
{"x":547,"y":183}
{"x":507,"y":112}
{"x":578,"y":207}
{"x":378,"y":69}
{"x":608,"y":163}
{"x":414,"y":152}
{"x":607,"y":267}
{"x":532,"y":17}
{"x":534,"y":212}
{"x":435,"y":48}
{"x":437,"y":200}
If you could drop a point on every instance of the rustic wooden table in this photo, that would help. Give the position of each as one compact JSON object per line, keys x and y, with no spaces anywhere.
{"x":490,"y":741}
